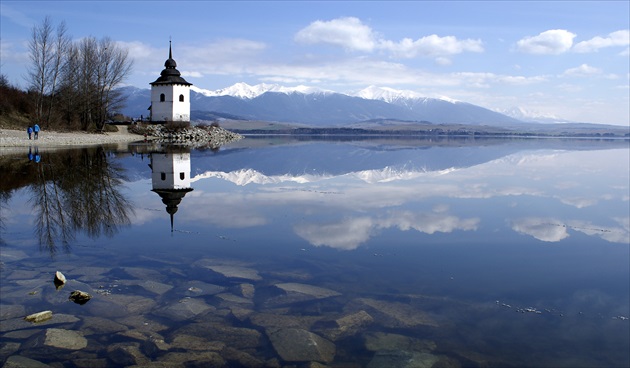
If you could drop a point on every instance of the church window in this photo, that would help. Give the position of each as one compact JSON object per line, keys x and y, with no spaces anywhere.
{"x":182,"y":176}
{"x":181,"y":98}
{"x":162,"y":97}
{"x":163,"y":176}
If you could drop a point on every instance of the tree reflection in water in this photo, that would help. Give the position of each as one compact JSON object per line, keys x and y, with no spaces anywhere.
{"x":72,"y":191}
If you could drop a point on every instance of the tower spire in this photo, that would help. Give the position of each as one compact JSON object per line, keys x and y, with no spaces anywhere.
{"x":170,"y":52}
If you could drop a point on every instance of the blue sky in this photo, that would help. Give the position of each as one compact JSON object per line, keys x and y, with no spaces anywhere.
{"x":568,"y":59}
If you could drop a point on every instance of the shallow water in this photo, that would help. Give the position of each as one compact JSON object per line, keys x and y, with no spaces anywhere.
{"x":396,"y":252}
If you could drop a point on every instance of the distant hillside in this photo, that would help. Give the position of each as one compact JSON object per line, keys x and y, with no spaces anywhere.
{"x":278,"y":108}
{"x":319,"y":108}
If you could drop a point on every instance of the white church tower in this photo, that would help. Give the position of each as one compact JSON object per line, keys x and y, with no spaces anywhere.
{"x":170,"y":94}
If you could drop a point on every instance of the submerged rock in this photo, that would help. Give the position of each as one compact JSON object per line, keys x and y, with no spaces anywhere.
{"x":402,"y":359}
{"x":297,"y":345}
{"x":185,"y":308}
{"x":98,"y":325}
{"x":236,"y":337}
{"x":80,"y":297}
{"x":57,"y":319}
{"x":273,"y":322}
{"x":199,"y":288}
{"x":394,"y":314}
{"x":57,"y":338}
{"x":209,"y":359}
{"x":238,"y":358}
{"x":8,"y":311}
{"x":290,"y":293}
{"x":126,"y":354}
{"x":118,"y":305}
{"x":345,"y":326}
{"x":236,"y":272}
{"x":18,"y":361}
{"x":245,"y":290}
{"x":314,"y":291}
{"x":229,"y":300}
{"x":189,"y":342}
{"x":155,"y":287}
{"x":39,"y":317}
{"x":381,"y":341}
{"x":59,"y":280}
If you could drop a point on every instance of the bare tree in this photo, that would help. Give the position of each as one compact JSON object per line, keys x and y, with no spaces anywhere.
{"x":113,"y":67}
{"x":93,"y":70}
{"x":86,"y":82}
{"x":41,"y":57}
{"x":62,"y":42}
{"x":76,"y":81}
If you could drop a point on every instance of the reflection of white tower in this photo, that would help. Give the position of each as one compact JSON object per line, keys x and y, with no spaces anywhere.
{"x":170,"y":177}
{"x":170,"y":94}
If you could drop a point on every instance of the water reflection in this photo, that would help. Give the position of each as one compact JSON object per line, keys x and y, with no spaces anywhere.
{"x":69,"y":192}
{"x":170,"y":175}
{"x":421,"y":251}
{"x":537,"y":193}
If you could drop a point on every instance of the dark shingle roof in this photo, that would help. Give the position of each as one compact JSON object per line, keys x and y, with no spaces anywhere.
{"x":170,"y":74}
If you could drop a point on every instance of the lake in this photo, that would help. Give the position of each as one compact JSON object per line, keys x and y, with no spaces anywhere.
{"x":352,"y":252}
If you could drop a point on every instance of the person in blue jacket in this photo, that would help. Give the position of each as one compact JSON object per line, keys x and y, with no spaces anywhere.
{"x":36,"y":131}
{"x":29,"y":130}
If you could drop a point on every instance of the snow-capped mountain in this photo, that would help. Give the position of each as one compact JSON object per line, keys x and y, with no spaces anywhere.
{"x":531,"y":115}
{"x":250,"y":176}
{"x":391,"y":95}
{"x":317,"y":107}
{"x":244,"y":90}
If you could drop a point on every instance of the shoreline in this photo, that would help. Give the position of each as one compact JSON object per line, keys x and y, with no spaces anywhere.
{"x":12,"y":140}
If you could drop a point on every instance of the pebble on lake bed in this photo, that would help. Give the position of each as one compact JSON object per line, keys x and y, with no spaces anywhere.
{"x":39,"y":317}
{"x":60,"y":280}
{"x":80,"y":297}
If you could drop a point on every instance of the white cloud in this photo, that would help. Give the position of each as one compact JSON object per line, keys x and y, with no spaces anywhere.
{"x":349,"y":33}
{"x":519,"y":80}
{"x":142,"y":53}
{"x":618,"y":38}
{"x":583,"y":70}
{"x":193,"y":74}
{"x":11,"y":52}
{"x":609,"y":233}
{"x":346,"y":235}
{"x":352,"y":232}
{"x":428,"y":223}
{"x":555,"y":41}
{"x":547,"y":230}
{"x":431,"y":46}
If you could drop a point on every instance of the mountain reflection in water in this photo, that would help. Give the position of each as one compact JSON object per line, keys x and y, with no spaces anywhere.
{"x":381,"y":252}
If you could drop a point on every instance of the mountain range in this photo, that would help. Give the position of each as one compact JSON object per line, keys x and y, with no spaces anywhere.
{"x":315,"y":107}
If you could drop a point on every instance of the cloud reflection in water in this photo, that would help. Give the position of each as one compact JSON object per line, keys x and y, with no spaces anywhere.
{"x":344,"y":211}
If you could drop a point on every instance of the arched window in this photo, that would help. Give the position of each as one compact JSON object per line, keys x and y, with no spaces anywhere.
{"x":182,"y":176}
{"x":162,"y":97}
{"x":163,"y":176}
{"x":181,"y":98}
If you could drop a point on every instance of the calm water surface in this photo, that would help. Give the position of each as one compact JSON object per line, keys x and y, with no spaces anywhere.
{"x":276,"y":252}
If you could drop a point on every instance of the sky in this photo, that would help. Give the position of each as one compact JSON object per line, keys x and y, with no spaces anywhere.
{"x":568,"y":59}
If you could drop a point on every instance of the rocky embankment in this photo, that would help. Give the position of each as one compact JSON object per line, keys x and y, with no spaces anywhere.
{"x":212,"y":136}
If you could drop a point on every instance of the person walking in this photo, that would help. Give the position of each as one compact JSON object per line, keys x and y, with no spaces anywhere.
{"x":29,"y":130}
{"x":36,"y":131}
